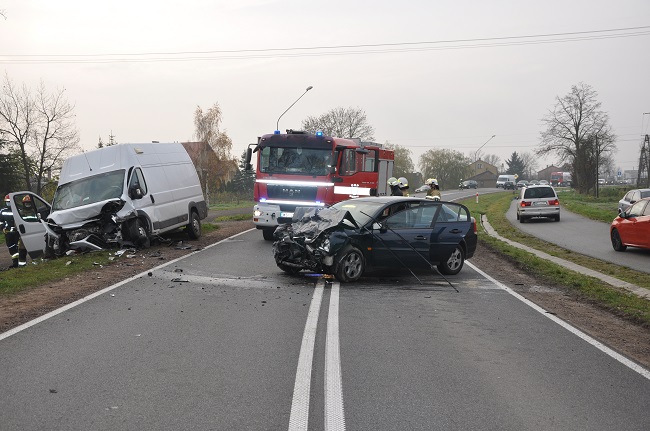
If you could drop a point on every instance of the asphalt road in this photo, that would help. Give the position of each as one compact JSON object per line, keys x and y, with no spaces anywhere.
{"x":582,"y":235}
{"x":220,"y":339}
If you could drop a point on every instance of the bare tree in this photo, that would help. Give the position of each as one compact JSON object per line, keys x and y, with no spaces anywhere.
{"x":342,"y":123}
{"x":577,"y":131}
{"x":531,"y":164}
{"x":39,"y":127}
{"x":492,"y":159}
{"x":207,"y":129}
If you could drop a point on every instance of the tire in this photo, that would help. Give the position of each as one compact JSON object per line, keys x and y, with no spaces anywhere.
{"x":268,"y":234}
{"x":350,"y":265}
{"x":617,"y":243}
{"x":194,"y":226}
{"x":517,"y":216}
{"x":454,"y":264}
{"x":557,"y":217}
{"x":521,"y":219}
{"x":138,"y":233}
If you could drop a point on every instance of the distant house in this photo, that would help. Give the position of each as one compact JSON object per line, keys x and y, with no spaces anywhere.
{"x":545,"y":174}
{"x":480,"y":166}
{"x":212,"y":172}
{"x":484,"y":173}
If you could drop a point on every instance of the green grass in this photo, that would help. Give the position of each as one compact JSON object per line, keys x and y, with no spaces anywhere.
{"x":15,"y":280}
{"x":234,"y":204}
{"x":495,"y":206}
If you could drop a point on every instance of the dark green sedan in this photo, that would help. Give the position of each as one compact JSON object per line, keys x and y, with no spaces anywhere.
{"x":365,"y":234}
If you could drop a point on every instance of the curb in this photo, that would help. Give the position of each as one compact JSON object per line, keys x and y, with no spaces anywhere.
{"x":639,"y":291}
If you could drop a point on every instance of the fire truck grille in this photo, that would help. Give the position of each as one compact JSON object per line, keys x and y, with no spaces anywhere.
{"x":295,"y":193}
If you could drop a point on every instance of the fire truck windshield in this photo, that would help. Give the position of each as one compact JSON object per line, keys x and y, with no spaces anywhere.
{"x":294,"y":160}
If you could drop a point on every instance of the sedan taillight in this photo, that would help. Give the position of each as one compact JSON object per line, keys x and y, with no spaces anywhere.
{"x":554,"y":202}
{"x":474,"y":224}
{"x":524,"y":204}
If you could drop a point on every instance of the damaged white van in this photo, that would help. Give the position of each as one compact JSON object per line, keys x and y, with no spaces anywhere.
{"x":124,"y":195}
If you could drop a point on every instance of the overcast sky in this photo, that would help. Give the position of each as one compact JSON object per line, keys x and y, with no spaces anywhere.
{"x":139,"y":68}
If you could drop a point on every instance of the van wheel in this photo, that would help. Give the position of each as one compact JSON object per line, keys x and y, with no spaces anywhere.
{"x":138,"y":233}
{"x":194,"y":226}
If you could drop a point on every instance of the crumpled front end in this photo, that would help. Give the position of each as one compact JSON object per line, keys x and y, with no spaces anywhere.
{"x":312,"y":241}
{"x":101,"y":230}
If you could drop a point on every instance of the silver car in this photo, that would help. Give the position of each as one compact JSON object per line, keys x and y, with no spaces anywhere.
{"x":631,"y":197}
{"x":538,"y":201}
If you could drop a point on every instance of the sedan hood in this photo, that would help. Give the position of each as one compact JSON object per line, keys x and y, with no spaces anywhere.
{"x":309,"y":222}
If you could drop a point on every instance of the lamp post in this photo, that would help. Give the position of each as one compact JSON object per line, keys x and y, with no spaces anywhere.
{"x":277,"y":125}
{"x":479,"y":148}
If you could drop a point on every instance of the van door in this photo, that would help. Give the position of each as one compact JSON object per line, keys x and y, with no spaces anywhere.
{"x":28,"y":210}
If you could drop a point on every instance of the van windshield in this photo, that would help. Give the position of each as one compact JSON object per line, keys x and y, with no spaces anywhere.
{"x":89,"y":190}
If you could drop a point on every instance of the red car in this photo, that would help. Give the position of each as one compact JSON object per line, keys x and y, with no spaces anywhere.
{"x":632,"y":227}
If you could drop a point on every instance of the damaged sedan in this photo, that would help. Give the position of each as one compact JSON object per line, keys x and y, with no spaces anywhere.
{"x":376,"y":233}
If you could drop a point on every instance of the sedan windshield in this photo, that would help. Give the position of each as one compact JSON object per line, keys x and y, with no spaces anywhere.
{"x":362,"y":212}
{"x":89,"y":190}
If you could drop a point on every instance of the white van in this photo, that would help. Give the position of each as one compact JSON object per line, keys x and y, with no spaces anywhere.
{"x":124,"y":195}
{"x":505,"y":178}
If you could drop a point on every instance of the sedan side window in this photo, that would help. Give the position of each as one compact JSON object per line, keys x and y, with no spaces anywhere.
{"x":636,"y":210}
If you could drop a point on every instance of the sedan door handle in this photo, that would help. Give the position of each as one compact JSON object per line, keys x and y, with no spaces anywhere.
{"x":455,"y":231}
{"x":420,"y":237}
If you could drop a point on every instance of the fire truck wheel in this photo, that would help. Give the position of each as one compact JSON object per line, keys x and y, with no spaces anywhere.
{"x":268,"y":234}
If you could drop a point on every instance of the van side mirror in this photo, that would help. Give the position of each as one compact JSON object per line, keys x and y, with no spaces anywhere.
{"x":135,"y":192}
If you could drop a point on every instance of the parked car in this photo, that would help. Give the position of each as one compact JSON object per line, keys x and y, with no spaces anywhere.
{"x":631,"y":197}
{"x":538,"y":201}
{"x":468,"y":184}
{"x":424,"y":188}
{"x":509,"y":185}
{"x":543,"y":183}
{"x":632,"y":227}
{"x":386,"y":232}
{"x":521,"y":184}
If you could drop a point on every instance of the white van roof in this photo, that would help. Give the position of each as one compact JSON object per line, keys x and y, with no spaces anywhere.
{"x":121,"y":156}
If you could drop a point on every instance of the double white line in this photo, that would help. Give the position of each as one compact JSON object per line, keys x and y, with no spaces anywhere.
{"x":334,"y":416}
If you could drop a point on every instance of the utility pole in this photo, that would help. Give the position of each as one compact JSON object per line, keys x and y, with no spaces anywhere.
{"x":644,"y":161}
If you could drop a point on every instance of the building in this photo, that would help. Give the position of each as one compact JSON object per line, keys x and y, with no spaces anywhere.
{"x":483,"y":173}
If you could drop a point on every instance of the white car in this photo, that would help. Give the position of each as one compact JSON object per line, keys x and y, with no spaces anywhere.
{"x":631,"y":197}
{"x":424,"y":188}
{"x":538,"y":201}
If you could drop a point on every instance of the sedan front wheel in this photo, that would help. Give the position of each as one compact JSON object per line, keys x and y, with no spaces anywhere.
{"x":350,"y":266}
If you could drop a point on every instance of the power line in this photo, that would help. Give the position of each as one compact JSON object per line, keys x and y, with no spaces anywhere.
{"x":334,"y":50}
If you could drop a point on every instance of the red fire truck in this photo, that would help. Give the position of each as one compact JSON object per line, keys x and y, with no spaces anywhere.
{"x":300,"y":169}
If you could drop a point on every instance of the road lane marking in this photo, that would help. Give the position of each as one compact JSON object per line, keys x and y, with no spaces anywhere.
{"x":334,"y":414}
{"x":299,"y":418}
{"x":597,"y":344}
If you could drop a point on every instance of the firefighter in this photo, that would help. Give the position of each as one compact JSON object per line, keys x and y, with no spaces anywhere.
{"x":394,"y":187}
{"x":403,"y":185}
{"x":434,"y":190}
{"x":12,"y":237}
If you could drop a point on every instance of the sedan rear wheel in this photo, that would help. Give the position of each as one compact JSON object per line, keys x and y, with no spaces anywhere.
{"x":350,"y":266}
{"x":617,"y":243}
{"x":454,"y":264}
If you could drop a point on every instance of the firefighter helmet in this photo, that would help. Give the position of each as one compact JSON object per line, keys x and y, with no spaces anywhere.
{"x":392,"y":181}
{"x":403,"y":183}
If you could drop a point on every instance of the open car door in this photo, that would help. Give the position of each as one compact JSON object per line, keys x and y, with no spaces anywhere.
{"x":27,"y":218}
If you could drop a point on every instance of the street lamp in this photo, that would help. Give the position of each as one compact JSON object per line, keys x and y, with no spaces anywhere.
{"x":277,"y":125}
{"x":479,"y":148}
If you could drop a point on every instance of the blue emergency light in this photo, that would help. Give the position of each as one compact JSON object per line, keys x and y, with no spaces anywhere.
{"x":319,"y":133}
{"x":276,"y":132}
